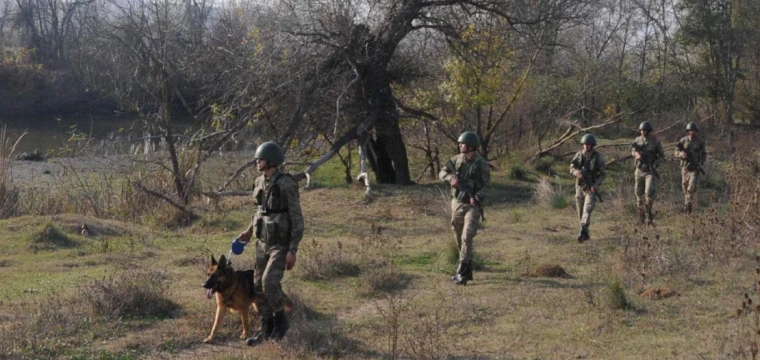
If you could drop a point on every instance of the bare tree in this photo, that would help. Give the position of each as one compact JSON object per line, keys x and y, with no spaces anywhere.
{"x":362,"y":39}
{"x":47,"y":24}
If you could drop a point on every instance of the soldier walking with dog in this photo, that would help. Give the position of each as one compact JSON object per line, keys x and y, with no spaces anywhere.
{"x":691,"y":151}
{"x":589,"y":169}
{"x":468,"y":174}
{"x":278,"y":228}
{"x":647,"y":152}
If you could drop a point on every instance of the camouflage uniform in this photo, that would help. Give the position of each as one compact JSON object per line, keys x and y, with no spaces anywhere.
{"x":643,"y":176}
{"x":465,"y":217}
{"x":585,"y":200}
{"x":278,"y":230}
{"x":689,"y":171}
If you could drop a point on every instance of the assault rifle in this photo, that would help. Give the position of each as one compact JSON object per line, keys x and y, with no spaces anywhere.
{"x":588,"y":184}
{"x":646,"y":159}
{"x":465,"y":192}
{"x":689,"y":157}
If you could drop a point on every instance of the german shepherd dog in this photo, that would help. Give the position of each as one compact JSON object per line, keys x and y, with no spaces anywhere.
{"x":234,"y":291}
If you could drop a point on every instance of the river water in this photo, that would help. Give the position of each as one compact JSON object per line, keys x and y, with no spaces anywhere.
{"x":52,"y":134}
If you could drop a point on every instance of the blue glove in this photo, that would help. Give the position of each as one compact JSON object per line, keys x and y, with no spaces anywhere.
{"x":238,"y":246}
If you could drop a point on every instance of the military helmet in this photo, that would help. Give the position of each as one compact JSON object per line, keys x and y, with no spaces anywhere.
{"x":588,"y":139}
{"x":691,"y":126}
{"x":645,"y":125}
{"x":271,"y":152}
{"x":469,"y":138}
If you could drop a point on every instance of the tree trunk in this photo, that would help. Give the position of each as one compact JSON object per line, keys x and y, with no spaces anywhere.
{"x":389,"y":141}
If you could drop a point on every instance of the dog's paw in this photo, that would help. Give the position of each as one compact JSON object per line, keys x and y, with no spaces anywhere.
{"x":244,"y":336}
{"x":208,"y":339}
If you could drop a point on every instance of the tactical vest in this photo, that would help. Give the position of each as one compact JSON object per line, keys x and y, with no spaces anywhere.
{"x":695,"y":148}
{"x":468,"y":175}
{"x":272,"y":219}
{"x":590,"y":164}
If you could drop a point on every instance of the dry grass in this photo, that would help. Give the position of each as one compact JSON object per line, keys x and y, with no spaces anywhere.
{"x":548,"y":195}
{"x":9,"y":194}
{"x":363,"y":290}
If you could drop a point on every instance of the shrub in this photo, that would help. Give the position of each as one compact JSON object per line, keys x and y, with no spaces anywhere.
{"x":322,"y":263}
{"x":547,"y":195}
{"x":50,"y":237}
{"x":315,"y":336}
{"x":44,"y":328}
{"x":517,"y":172}
{"x":617,"y":297}
{"x":132,"y":294}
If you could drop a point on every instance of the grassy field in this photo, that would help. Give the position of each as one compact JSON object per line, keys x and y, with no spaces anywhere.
{"x":373,"y":279}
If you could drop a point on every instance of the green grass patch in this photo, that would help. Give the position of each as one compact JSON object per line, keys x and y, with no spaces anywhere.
{"x":517,"y":172}
{"x":422,"y":260}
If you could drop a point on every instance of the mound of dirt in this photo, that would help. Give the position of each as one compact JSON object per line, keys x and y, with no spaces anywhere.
{"x":549,"y":271}
{"x":659,"y":293}
{"x":49,"y":238}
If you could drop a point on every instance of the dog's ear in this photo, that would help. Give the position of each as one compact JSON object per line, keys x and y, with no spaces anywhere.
{"x":213,"y":261}
{"x":222,"y":261}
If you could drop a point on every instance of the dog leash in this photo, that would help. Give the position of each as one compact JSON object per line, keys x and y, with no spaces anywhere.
{"x":236,"y":248}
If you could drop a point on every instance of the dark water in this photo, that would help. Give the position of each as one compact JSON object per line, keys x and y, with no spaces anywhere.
{"x":53,"y":135}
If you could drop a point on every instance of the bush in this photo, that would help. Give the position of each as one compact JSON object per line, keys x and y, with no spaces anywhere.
{"x":133,"y":294}
{"x":43,"y":328}
{"x":315,"y":336}
{"x":617,"y":297}
{"x":50,"y":238}
{"x":321,"y":263}
{"x":517,"y":172}
{"x":547,"y":195}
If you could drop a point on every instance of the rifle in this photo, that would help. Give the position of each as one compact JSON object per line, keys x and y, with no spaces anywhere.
{"x":646,"y":159}
{"x":689,"y":157}
{"x":588,"y":184}
{"x":465,"y":190}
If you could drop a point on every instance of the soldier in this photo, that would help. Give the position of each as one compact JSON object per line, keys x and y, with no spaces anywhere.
{"x":589,"y":169}
{"x":691,"y":151}
{"x":278,"y":228}
{"x":647,"y":151}
{"x":468,"y":174}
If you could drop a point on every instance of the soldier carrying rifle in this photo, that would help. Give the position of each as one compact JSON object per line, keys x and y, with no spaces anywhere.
{"x":468,"y":174}
{"x":589,"y":169}
{"x":691,"y":151}
{"x":647,"y":151}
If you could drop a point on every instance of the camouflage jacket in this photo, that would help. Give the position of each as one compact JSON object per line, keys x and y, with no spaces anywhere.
{"x":697,"y":149}
{"x":593,"y":161}
{"x":476,"y":173}
{"x":652,"y":150}
{"x":278,"y":219}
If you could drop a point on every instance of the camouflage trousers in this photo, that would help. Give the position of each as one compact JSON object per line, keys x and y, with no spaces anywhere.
{"x":464,"y":221}
{"x":688,"y":185}
{"x":584,"y":203}
{"x":645,"y":185}
{"x":268,"y":272}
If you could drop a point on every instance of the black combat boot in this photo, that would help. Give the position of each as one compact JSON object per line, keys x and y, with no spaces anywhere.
{"x":687,"y":209}
{"x":266,"y":324}
{"x":641,"y":214}
{"x":461,"y":276}
{"x":583,"y":235}
{"x":281,"y":325}
{"x":468,"y":275}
